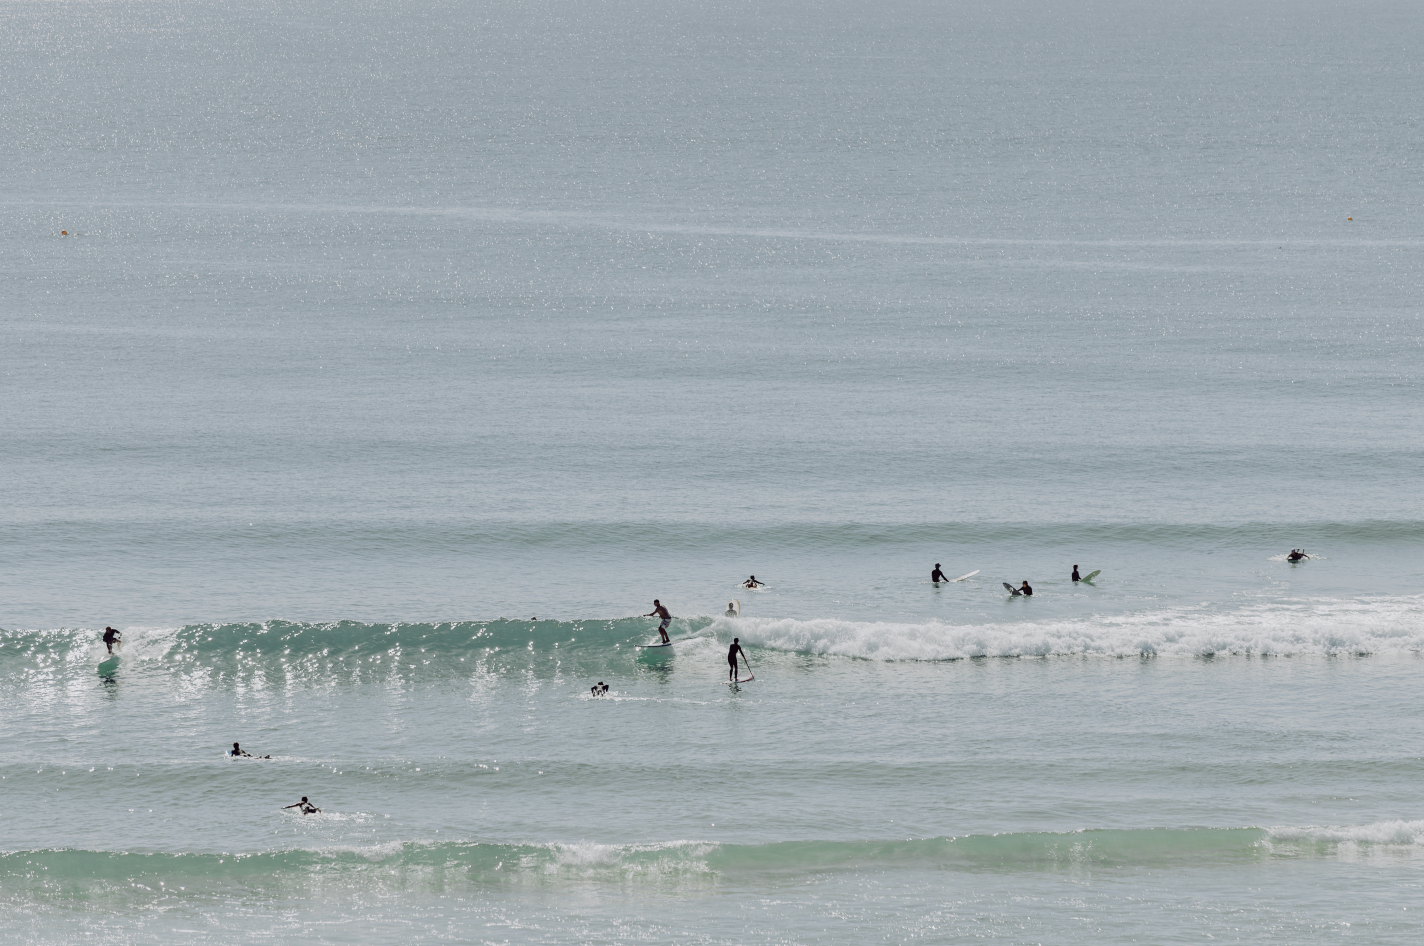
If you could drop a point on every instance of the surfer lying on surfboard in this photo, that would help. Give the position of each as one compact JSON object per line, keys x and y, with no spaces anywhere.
{"x":239,"y":753}
{"x":661,"y":612}
{"x":304,"y":806}
{"x":752,"y":583}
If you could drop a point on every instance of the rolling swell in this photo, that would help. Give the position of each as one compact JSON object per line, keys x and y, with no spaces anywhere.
{"x":286,"y":653}
{"x":78,"y":873}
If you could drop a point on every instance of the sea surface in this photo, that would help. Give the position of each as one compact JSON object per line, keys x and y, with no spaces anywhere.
{"x":372,"y":366}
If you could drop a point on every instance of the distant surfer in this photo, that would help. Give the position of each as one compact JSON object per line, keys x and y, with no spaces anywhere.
{"x":111,"y":637}
{"x":304,"y":806}
{"x":1075,"y":574}
{"x":752,"y":583}
{"x":662,"y":612}
{"x":732,"y":653}
{"x":1025,"y":589}
{"x":1296,"y":555}
{"x":599,"y":688}
{"x":239,"y":753}
{"x":938,"y":576}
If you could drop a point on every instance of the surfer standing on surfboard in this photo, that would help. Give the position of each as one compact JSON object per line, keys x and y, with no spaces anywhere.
{"x":661,"y":612}
{"x":110,"y":636}
{"x":732,"y":653}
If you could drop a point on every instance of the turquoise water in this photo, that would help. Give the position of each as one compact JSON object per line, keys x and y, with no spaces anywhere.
{"x":395,"y":357}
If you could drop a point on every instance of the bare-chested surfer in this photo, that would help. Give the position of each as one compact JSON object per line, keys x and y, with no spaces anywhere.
{"x":661,"y":612}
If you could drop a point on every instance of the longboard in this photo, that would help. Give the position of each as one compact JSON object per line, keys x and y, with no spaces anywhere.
{"x":1012,"y":590}
{"x":970,"y":575}
{"x":734,"y":609}
{"x":653,"y":645}
{"x":747,"y":679}
{"x":1091,"y":575}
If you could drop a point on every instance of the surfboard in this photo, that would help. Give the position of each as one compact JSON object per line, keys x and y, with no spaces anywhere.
{"x":734,"y":609}
{"x":107,"y":667}
{"x":970,"y":575}
{"x":655,"y":644}
{"x":1012,"y":590}
{"x":747,"y":679}
{"x":1091,"y":575}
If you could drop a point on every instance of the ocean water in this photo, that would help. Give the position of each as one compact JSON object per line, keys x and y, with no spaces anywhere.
{"x":373,"y":366}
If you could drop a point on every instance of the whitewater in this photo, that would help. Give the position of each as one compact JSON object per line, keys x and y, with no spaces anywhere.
{"x":372,"y":368}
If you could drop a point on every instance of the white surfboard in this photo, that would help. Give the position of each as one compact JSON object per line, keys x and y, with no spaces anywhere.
{"x":654,"y":644}
{"x":970,"y":575}
{"x":734,"y":609}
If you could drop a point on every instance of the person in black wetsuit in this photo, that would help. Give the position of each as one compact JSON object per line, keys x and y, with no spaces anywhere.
{"x":732,"y":653}
{"x":1025,"y":589}
{"x":1296,"y":555}
{"x":1075,"y":574}
{"x":304,"y":806}
{"x":937,"y":576}
{"x":752,"y":583}
{"x":110,"y":636}
{"x":239,"y":753}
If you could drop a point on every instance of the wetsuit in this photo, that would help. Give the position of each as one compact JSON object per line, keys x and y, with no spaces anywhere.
{"x":110,"y":635}
{"x":1027,"y":589}
{"x":1075,"y":574}
{"x":937,"y":576}
{"x":732,"y":658}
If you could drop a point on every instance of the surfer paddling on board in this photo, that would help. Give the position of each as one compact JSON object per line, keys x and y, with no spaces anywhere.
{"x":304,"y":806}
{"x":661,"y":612}
{"x":752,"y":583}
{"x":111,"y":636}
{"x":1025,"y":589}
{"x":1296,"y":555}
{"x":938,"y":576}
{"x":732,"y":653}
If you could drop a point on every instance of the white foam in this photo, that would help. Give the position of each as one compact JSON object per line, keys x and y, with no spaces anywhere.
{"x":1325,"y":626}
{"x":1387,"y":833}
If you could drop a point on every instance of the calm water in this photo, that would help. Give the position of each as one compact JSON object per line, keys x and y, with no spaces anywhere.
{"x":397,"y":355}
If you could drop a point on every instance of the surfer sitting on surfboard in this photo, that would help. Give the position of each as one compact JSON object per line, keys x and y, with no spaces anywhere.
{"x":661,"y":612}
{"x":111,"y":635}
{"x":239,"y":753}
{"x":732,"y":653}
{"x":752,"y":583}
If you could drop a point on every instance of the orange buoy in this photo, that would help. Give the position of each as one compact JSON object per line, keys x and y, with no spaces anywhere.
{"x":64,"y":233}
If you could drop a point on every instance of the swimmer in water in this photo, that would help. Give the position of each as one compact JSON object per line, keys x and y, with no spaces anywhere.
{"x":111,"y":636}
{"x":937,"y":576}
{"x":661,"y":612}
{"x":1024,"y":589}
{"x":732,"y":653}
{"x":752,"y":583}
{"x":304,"y":806}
